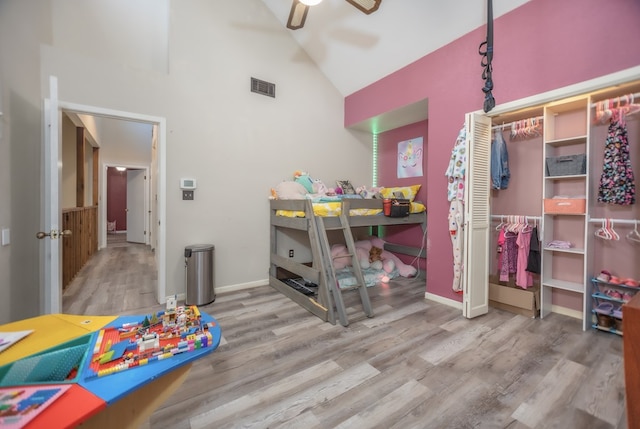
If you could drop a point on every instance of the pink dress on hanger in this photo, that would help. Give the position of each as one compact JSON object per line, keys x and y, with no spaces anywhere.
{"x":524,"y":278}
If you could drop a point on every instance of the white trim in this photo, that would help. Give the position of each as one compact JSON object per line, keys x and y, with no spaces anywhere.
{"x":161,"y":122}
{"x":567,"y":312}
{"x":442,"y":300}
{"x":102,"y":218}
{"x":617,"y":78}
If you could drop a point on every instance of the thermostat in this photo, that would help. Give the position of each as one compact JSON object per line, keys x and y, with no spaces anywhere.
{"x":188,"y":184}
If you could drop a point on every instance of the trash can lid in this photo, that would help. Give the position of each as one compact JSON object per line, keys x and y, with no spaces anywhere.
{"x":199,"y":247}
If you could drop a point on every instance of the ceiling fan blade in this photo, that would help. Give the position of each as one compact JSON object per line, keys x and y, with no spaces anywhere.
{"x":297,"y":16}
{"x":366,"y":6}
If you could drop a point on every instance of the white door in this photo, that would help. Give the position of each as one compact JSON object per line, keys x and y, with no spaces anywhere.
{"x":50,"y":250}
{"x":135,"y":206}
{"x":477,"y":216}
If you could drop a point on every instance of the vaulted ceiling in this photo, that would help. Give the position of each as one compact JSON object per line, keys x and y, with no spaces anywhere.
{"x":354,"y":50}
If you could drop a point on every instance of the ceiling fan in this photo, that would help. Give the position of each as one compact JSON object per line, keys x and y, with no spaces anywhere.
{"x":300,"y":8}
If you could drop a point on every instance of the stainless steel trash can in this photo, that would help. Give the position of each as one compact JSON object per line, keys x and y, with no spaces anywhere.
{"x":199,"y":274}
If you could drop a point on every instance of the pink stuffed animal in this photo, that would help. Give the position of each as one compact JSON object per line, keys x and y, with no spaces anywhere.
{"x":339,"y":254}
{"x":403,"y":269}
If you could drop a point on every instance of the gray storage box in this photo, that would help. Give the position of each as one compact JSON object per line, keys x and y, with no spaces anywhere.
{"x":567,"y":165}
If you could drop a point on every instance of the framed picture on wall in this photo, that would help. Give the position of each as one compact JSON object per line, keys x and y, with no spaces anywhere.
{"x":410,"y":158}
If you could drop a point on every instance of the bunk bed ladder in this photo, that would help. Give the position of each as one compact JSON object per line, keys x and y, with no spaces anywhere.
{"x":319,"y":247}
{"x":332,"y":283}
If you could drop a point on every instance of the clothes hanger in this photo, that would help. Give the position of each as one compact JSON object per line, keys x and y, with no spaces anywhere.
{"x":500,"y":225}
{"x":632,"y":107}
{"x":603,"y":232}
{"x":635,"y":234}
{"x":614,"y":234}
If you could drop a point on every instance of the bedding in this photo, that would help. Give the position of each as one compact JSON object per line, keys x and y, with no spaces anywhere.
{"x":334,"y":208}
{"x":346,"y":279}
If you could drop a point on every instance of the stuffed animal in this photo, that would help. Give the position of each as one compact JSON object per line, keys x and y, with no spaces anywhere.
{"x":375,"y":254}
{"x":404,"y":270}
{"x":305,"y":180}
{"x":364,"y":250}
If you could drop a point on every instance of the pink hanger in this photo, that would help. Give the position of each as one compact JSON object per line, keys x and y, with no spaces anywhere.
{"x":603,"y":231}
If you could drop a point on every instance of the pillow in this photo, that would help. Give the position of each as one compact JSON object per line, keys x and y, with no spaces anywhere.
{"x":409,"y":192}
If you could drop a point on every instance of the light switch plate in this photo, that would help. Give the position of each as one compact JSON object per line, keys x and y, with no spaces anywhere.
{"x":6,"y":236}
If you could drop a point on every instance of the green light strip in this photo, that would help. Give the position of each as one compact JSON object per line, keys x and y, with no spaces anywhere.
{"x":375,"y":160}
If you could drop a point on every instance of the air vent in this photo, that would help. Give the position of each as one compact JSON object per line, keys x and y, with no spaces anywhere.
{"x":261,"y":87}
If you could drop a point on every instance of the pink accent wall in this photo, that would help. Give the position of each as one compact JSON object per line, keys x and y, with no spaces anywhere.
{"x":543,"y":45}
{"x":388,"y":177}
{"x":117,"y":198}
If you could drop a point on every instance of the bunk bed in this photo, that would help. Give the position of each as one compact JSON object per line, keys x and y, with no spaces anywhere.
{"x":327,"y":302}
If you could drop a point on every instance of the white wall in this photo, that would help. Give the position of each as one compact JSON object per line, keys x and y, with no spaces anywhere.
{"x":21,"y":30}
{"x":237,"y":144}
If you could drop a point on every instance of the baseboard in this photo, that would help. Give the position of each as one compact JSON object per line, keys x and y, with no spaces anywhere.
{"x":242,"y":286}
{"x":442,"y":300}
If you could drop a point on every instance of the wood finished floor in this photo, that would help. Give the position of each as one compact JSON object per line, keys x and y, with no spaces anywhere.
{"x":416,"y":364}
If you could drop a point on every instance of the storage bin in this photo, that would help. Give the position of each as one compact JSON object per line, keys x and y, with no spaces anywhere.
{"x":567,"y":165}
{"x":605,"y":321}
{"x":565,"y":205}
{"x":399,"y":208}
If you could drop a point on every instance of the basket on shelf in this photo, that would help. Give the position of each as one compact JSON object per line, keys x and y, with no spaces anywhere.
{"x":567,"y":165}
{"x":618,"y":324}
{"x":605,"y":321}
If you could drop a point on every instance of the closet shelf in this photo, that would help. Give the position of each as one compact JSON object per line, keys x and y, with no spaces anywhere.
{"x":567,"y":141}
{"x":597,"y":282}
{"x":565,"y":285}
{"x":608,"y":300}
{"x":611,"y":329}
{"x":575,"y":250}
{"x":571,"y":176}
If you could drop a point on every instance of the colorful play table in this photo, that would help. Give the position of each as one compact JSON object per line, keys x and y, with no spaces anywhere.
{"x":125,"y":394}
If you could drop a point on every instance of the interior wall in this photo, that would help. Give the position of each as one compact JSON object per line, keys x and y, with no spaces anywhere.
{"x":388,"y":177}
{"x":117,"y":198}
{"x":538,"y":47}
{"x":233,"y":141}
{"x":620,"y":257}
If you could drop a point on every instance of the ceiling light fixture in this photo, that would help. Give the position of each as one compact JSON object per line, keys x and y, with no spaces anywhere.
{"x":121,"y":168}
{"x":310,"y":2}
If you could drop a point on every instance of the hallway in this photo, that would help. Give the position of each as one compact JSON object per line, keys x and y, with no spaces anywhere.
{"x":119,"y":279}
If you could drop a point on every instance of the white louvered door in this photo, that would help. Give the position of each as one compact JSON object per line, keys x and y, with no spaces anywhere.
{"x":477,"y":217}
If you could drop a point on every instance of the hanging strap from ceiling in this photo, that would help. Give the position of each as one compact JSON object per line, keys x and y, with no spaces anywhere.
{"x":486,"y":51}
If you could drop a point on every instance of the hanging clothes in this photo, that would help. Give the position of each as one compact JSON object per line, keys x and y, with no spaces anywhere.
{"x":534,"y":258}
{"x":617,"y":180}
{"x":509,"y":256}
{"x":500,"y":249}
{"x":455,"y":194}
{"x":500,"y":173}
{"x":524,"y":278}
{"x":456,"y":215}
{"x":457,"y":167}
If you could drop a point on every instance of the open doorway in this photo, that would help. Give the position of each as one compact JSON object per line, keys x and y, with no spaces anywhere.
{"x":126,"y":207}
{"x":152,"y":203}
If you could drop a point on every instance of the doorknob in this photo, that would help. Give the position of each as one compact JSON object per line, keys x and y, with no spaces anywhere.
{"x":53,"y":234}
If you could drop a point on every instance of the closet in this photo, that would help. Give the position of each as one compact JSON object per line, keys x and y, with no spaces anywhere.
{"x":556,"y":170}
